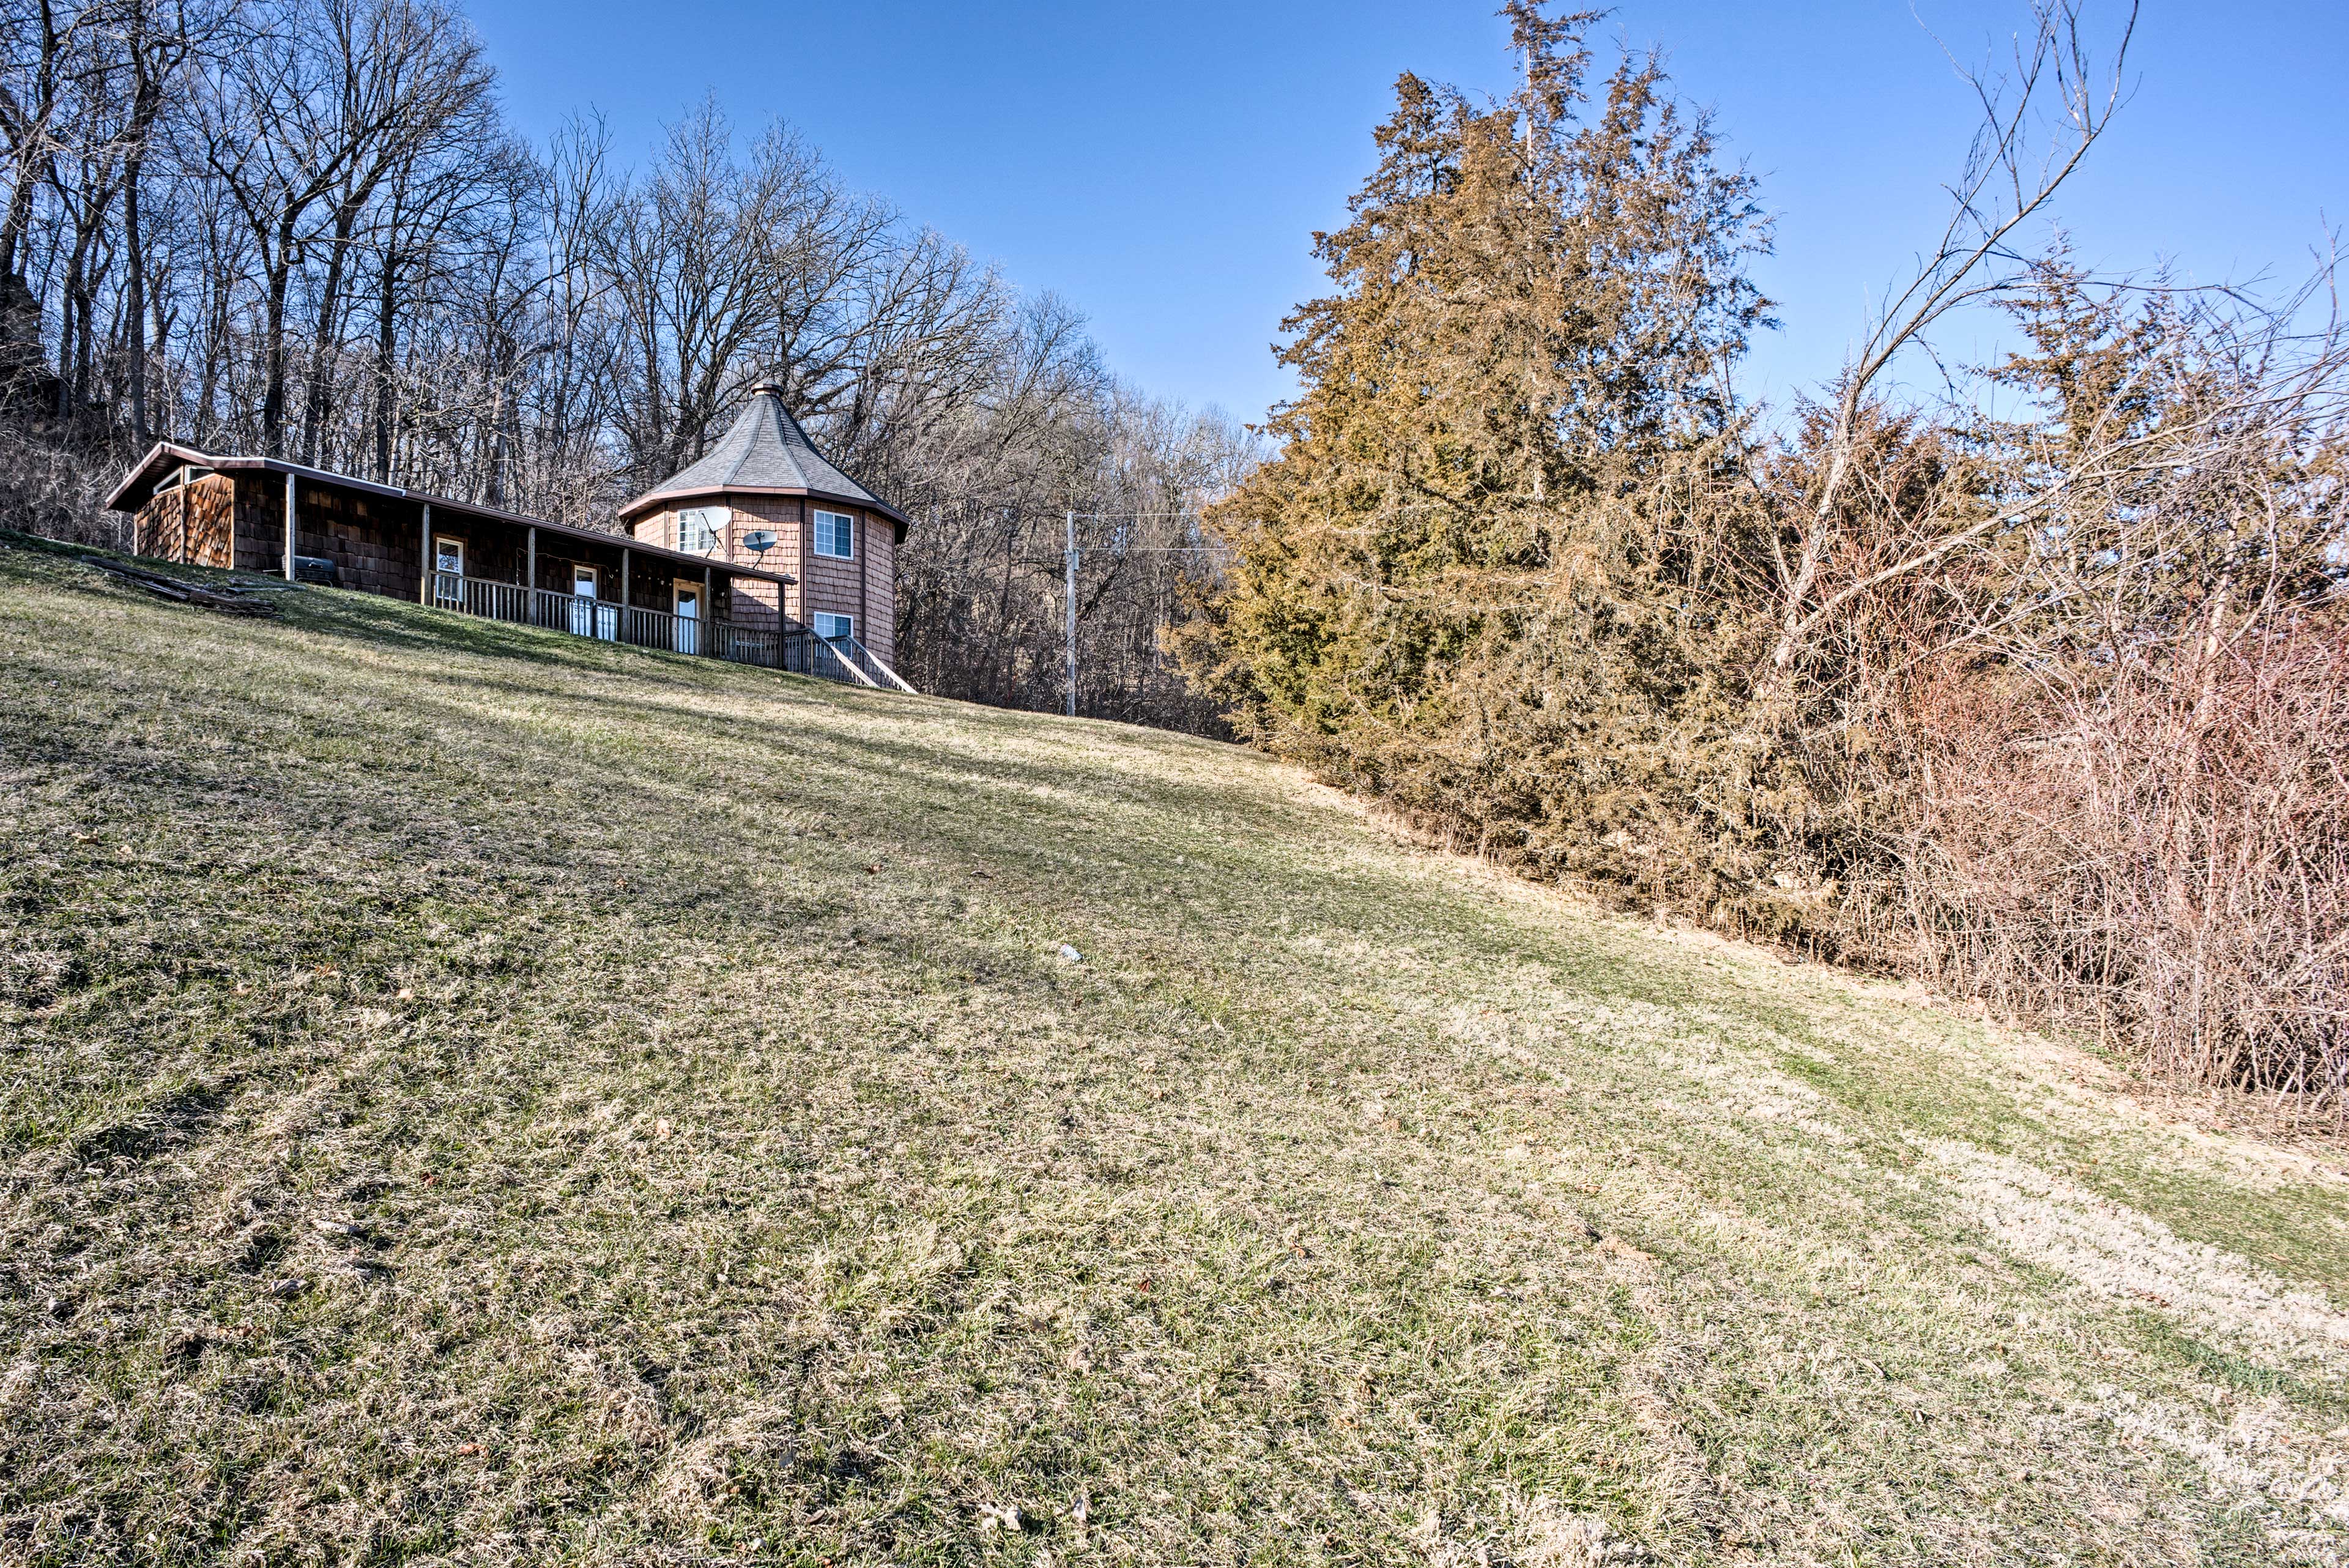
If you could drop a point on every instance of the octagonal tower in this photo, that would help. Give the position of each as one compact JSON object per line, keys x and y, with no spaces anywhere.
{"x":765,"y":478}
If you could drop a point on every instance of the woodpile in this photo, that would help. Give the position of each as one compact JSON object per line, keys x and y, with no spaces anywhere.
{"x":227,"y":599}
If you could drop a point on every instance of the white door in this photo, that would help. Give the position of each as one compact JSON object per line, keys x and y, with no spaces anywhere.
{"x":584,"y":618}
{"x":448,"y":570}
{"x":689,"y":619}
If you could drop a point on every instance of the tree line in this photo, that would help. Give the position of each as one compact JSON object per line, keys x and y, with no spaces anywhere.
{"x":2032,"y":688}
{"x":303,"y":228}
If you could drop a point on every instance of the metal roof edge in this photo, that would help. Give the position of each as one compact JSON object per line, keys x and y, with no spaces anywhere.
{"x":113,"y":501}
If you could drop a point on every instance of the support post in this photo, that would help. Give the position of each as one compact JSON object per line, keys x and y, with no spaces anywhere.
{"x":1073,"y":615}
{"x":424,"y":578}
{"x":530,"y":582}
{"x":708,"y":611}
{"x":624,"y":593}
{"x":289,"y":527}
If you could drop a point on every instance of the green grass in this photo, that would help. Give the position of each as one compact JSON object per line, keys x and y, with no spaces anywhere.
{"x":473,"y":1094}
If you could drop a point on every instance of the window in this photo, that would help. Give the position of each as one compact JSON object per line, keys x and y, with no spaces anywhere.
{"x":835,"y":628}
{"x":449,"y":555}
{"x":835,"y":536}
{"x":697,"y":528}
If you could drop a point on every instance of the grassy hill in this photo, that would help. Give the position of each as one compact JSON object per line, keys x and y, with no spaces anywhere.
{"x":474,"y":1094}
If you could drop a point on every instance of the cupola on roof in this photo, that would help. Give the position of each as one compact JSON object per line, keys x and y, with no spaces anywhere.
{"x":765,"y":450}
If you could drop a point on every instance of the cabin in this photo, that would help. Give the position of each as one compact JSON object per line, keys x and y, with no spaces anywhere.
{"x":762,"y":552}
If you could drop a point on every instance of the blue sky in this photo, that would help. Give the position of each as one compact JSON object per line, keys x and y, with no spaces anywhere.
{"x":1162,"y":167}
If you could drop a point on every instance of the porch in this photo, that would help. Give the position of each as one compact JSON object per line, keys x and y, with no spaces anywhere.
{"x":790,"y":647}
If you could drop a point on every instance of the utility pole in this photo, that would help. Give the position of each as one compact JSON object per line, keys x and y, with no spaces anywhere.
{"x":1073,"y":615}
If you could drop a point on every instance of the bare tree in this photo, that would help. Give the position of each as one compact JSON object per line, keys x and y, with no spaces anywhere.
{"x":698,"y":257}
{"x":44,"y":44}
{"x":304,"y":118}
{"x":2038,"y":125}
{"x":155,"y":39}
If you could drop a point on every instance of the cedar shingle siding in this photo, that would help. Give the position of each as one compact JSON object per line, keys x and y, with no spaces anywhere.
{"x":189,"y":522}
{"x":865,"y":587}
{"x":372,"y":539}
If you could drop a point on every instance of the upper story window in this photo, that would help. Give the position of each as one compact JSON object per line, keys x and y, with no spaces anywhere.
{"x":697,"y":528}
{"x":835,"y":536}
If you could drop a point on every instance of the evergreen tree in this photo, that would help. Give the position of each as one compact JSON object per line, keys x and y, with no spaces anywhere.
{"x":1475,"y":578}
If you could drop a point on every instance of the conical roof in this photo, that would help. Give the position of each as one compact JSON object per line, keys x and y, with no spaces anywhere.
{"x":764,"y":451}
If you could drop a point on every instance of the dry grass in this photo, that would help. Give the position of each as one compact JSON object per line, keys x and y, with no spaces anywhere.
{"x":475,"y":1095}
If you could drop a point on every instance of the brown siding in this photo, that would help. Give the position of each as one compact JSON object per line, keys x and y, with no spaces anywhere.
{"x":558,"y":555}
{"x":881,"y":590}
{"x":155,"y":527}
{"x":753,"y":603}
{"x":865,"y":587}
{"x":259,"y":521}
{"x":652,"y":583}
{"x":835,"y":586}
{"x":375,"y":541}
{"x":189,"y":523}
{"x":778,"y":515}
{"x":493,"y":552}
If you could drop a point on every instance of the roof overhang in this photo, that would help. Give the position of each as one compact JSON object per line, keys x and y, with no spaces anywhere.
{"x":651,"y":499}
{"x":164,"y":456}
{"x":148,"y":473}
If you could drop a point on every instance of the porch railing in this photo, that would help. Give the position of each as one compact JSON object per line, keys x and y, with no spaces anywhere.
{"x":794,"y":648}
{"x":805,"y":653}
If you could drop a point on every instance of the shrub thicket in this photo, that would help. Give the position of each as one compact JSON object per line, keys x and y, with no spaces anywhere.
{"x":2041,"y":708}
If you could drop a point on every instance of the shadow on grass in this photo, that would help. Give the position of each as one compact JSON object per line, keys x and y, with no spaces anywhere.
{"x":1081,"y":827}
{"x":940,"y":795}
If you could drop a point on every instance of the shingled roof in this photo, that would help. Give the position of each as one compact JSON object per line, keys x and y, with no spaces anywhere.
{"x":764,"y":452}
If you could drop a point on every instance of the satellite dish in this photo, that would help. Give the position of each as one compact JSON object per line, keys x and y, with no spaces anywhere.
{"x":762,"y":541}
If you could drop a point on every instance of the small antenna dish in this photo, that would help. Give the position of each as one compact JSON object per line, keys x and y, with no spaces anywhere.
{"x":762,"y":541}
